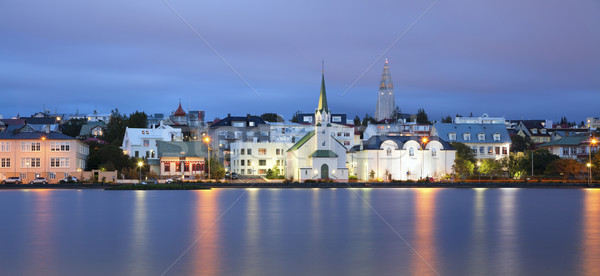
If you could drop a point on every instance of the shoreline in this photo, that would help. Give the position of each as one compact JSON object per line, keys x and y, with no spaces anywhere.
{"x":453,"y":185}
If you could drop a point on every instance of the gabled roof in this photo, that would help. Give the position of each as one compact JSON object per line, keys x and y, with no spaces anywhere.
{"x":227,"y":121}
{"x":323,"y":154}
{"x":34,"y":136}
{"x":566,"y":141}
{"x":444,"y":129}
{"x":302,"y":141}
{"x":89,"y":126}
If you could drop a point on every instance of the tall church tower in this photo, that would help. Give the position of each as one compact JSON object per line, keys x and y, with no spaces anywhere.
{"x":323,"y":119}
{"x":386,"y":102}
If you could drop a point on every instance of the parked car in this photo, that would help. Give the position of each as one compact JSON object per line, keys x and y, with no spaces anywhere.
{"x":68,"y":179}
{"x":12,"y":180}
{"x":232,"y":175}
{"x":39,"y":180}
{"x":174,"y":180}
{"x":150,"y":181}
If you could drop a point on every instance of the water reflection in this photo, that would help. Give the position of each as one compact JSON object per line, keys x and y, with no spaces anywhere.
{"x":591,"y":233}
{"x":478,"y":230}
{"x":139,"y":234}
{"x":206,"y":258}
{"x":508,"y":261}
{"x":41,"y":258}
{"x":424,"y":243}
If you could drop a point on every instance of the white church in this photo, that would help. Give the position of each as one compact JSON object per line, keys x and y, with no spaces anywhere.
{"x":318,"y":155}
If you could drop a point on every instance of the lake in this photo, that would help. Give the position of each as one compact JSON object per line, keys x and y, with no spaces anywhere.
{"x":400,"y":231}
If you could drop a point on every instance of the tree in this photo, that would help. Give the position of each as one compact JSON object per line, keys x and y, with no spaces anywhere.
{"x":137,"y":120}
{"x":491,"y":167}
{"x":422,"y":116}
{"x":368,"y":119}
{"x":271,"y":117}
{"x":108,"y":157}
{"x":217,"y":171}
{"x":115,"y":129}
{"x":73,"y":127}
{"x":296,"y":117}
{"x":447,"y":119}
{"x":357,"y":121}
{"x":396,"y":114}
{"x":541,"y":159}
{"x":462,"y":168}
{"x":566,"y":167}
{"x":520,"y":143}
{"x":463,"y":151}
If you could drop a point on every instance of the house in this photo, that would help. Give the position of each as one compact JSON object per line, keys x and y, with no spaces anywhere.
{"x":400,"y":128}
{"x":186,"y":159}
{"x":536,"y":130}
{"x":486,"y":136}
{"x":572,"y":147}
{"x":388,"y":157}
{"x":142,"y":142}
{"x":292,"y":132}
{"x":256,"y":158}
{"x":318,"y":155}
{"x":92,"y":129}
{"x":30,"y":154}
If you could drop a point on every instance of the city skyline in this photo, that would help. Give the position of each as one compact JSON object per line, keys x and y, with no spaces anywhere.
{"x":511,"y":59}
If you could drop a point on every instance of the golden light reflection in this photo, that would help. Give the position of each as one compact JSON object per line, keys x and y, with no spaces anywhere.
{"x":139,"y":237}
{"x":508,"y":232}
{"x":252,"y":232}
{"x":424,"y":243}
{"x":43,"y":229}
{"x":477,"y":263}
{"x":206,"y":259}
{"x":591,"y":233}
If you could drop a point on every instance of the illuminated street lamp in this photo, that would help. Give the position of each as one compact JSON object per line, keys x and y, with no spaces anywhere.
{"x":207,"y":141}
{"x":593,"y":142}
{"x":140,"y":164}
{"x":479,"y":170}
{"x":423,"y":144}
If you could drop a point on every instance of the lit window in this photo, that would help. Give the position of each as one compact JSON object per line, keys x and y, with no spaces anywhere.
{"x":262,"y":151}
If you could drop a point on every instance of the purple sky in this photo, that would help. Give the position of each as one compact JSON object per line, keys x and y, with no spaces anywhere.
{"x":532,"y":59}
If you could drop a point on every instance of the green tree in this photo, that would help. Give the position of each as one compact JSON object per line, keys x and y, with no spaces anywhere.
{"x":422,"y":117}
{"x":357,"y":121}
{"x":137,"y":120}
{"x":73,"y":127}
{"x":271,"y":117}
{"x":115,"y":129}
{"x":541,"y":159}
{"x":463,"y":151}
{"x":565,"y":167}
{"x":491,"y":167}
{"x":368,"y":119}
{"x":296,"y":117}
{"x":396,"y":113}
{"x":447,"y":119}
{"x":520,"y":143}
{"x":217,"y":171}
{"x":462,"y":167}
{"x":108,"y":157}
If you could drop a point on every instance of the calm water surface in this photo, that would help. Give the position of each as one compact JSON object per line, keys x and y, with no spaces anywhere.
{"x":301,"y":232}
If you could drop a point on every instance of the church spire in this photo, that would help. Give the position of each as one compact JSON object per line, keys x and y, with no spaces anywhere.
{"x":323,"y":97}
{"x":385,"y":98}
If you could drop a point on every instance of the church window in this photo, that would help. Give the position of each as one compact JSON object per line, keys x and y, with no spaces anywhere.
{"x":323,"y":131}
{"x":411,"y":152}
{"x":389,"y":152}
{"x":323,"y":143}
{"x":434,"y":152}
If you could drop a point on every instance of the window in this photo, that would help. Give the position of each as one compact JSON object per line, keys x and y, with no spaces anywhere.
{"x":167,"y":167}
{"x":481,"y":150}
{"x":30,"y":162}
{"x":23,"y":175}
{"x":490,"y":150}
{"x":389,"y":152}
{"x":504,"y":150}
{"x":346,"y":143}
{"x":308,"y":119}
{"x":411,"y":152}
{"x":178,"y":167}
{"x":249,"y":151}
{"x":481,"y":136}
{"x":452,"y":136}
{"x":336,"y":119}
{"x":467,"y":136}
{"x":277,"y":151}
{"x":59,"y":162}
{"x":278,"y":162}
{"x":346,"y":134}
{"x":534,"y":130}
{"x":30,"y":146}
{"x":186,"y":167}
{"x":474,"y":149}
{"x":243,"y":162}
{"x":249,"y":162}
{"x":242,"y":171}
{"x":146,"y":142}
{"x":238,"y":124}
{"x":496,"y":136}
{"x":262,"y":162}
{"x":434,"y":152}
{"x":264,"y":133}
{"x":5,"y":163}
{"x":323,"y":143}
{"x":339,"y":134}
{"x":573,"y":150}
{"x":51,"y":175}
{"x":543,"y":131}
{"x":565,"y":151}
{"x":5,"y":146}
{"x":242,"y":151}
{"x":147,"y":154}
{"x":137,"y":154}
{"x":250,"y":123}
{"x":497,"y":150}
{"x":262,"y":151}
{"x":262,"y":171}
{"x":59,"y":146}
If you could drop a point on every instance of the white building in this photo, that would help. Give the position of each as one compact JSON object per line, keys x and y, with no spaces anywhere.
{"x":255,"y":158}
{"x":486,"y":136}
{"x":399,"y":129}
{"x":292,"y":132}
{"x":318,"y":155}
{"x":141,"y":142}
{"x":401,"y":158}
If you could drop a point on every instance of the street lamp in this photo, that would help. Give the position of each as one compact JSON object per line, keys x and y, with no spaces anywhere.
{"x":593,"y":141}
{"x":140,"y":164}
{"x":479,"y":170}
{"x":207,"y":141}
{"x":45,"y":161}
{"x":423,"y":143}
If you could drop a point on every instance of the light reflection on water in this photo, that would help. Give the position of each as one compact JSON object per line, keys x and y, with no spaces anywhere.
{"x":299,"y":232}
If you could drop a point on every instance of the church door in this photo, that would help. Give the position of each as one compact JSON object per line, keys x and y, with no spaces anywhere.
{"x":324,"y":171}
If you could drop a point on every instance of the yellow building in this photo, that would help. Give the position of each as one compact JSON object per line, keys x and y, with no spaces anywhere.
{"x":30,"y":154}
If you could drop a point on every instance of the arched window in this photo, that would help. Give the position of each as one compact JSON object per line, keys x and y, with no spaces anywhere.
{"x":434,"y":152}
{"x":389,"y":152}
{"x":411,"y":152}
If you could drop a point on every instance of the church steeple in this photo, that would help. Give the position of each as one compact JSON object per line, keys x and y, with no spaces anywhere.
{"x":323,"y":97}
{"x":385,"y":98}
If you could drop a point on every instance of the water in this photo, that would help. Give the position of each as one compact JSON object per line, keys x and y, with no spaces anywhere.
{"x":301,"y":232}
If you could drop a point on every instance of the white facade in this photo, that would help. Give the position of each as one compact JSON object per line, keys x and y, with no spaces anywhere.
{"x":141,"y":142}
{"x":292,"y":132}
{"x":395,"y":159}
{"x":255,"y":158}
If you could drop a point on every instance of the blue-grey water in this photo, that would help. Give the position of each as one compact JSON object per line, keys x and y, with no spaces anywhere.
{"x":301,"y":232}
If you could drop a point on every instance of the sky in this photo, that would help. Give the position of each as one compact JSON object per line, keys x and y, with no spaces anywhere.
{"x":536,"y":59}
